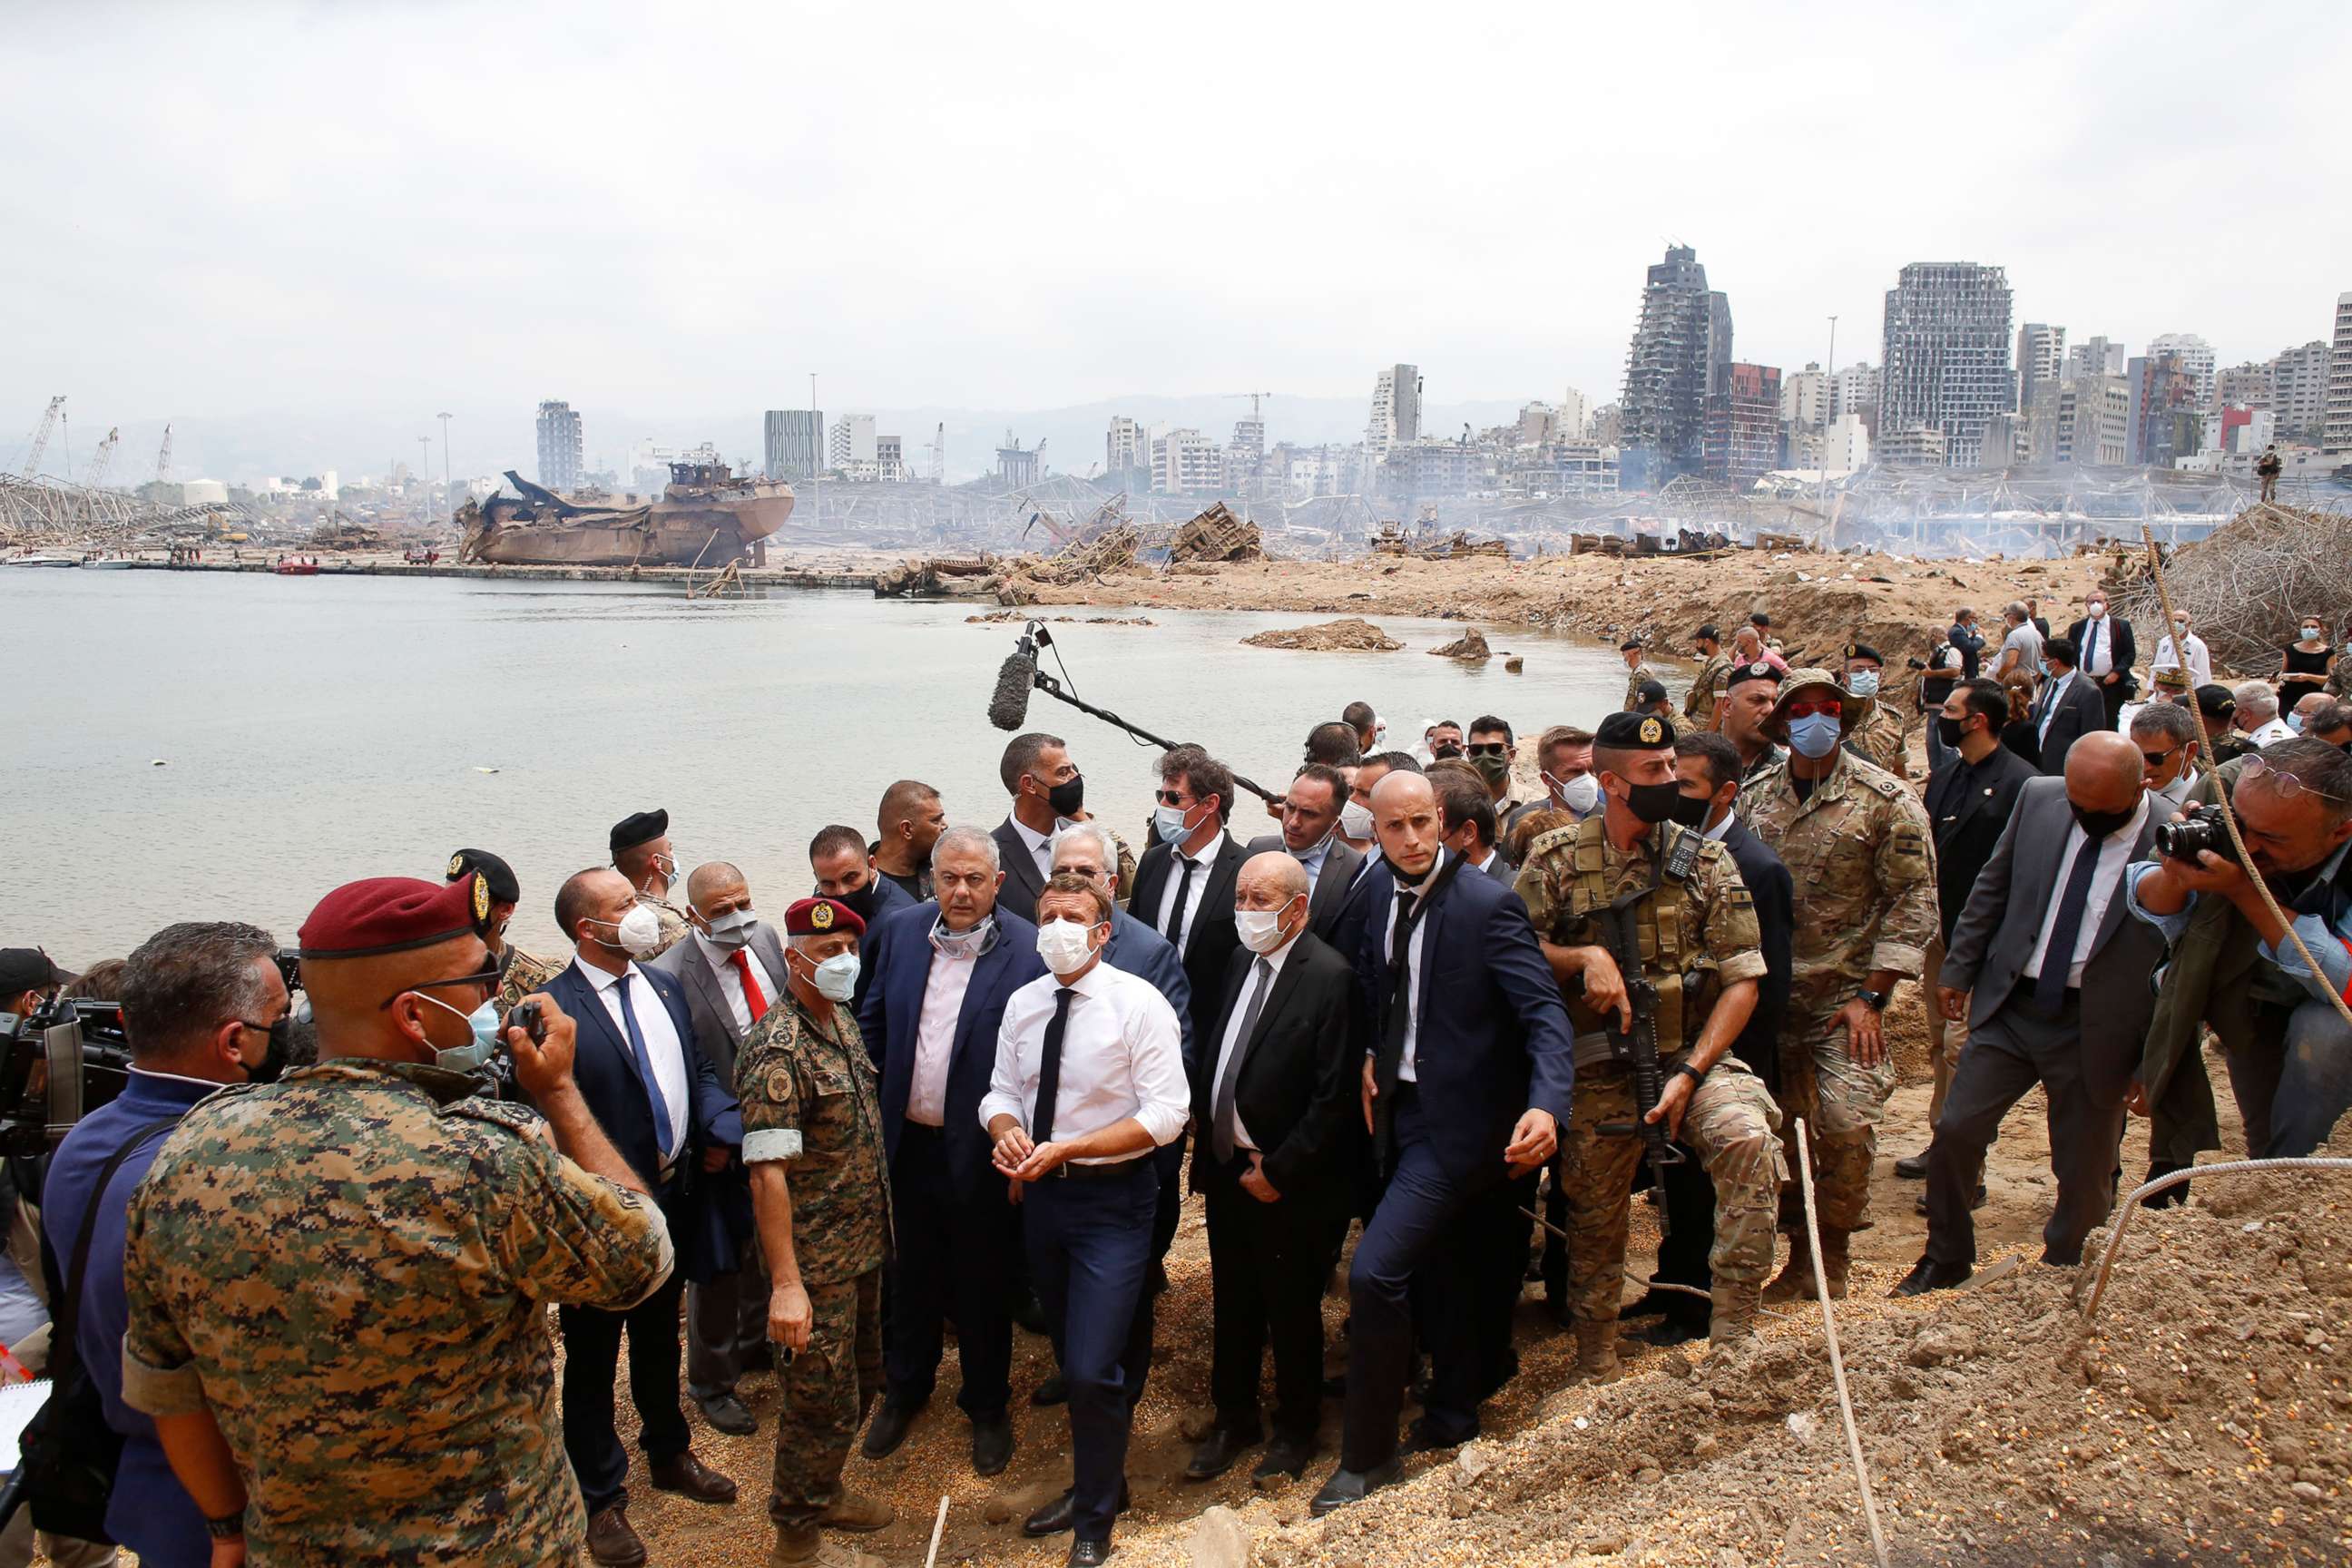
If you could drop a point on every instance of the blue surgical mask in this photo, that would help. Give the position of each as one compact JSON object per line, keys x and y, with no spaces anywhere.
{"x":2295,"y":722}
{"x":1815,"y":735}
{"x":483,"y":1021}
{"x":1168,"y":821}
{"x":1862,"y":682}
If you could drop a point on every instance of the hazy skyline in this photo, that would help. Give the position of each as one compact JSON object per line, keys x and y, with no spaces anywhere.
{"x":374,"y":212}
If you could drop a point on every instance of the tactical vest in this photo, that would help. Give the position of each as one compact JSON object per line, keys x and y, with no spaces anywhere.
{"x":1684,"y":989}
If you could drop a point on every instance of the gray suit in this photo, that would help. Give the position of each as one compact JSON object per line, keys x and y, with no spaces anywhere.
{"x":726,"y":1319}
{"x":1331,"y":883}
{"x":2085,"y":1055}
{"x":2073,"y":713}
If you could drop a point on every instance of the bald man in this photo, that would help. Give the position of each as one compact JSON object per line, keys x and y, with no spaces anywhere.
{"x":2052,"y":974}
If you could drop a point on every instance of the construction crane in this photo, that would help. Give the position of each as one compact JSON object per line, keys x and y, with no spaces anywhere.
{"x":164,"y":458}
{"x":31,"y":465}
{"x":95,"y":479}
{"x":939,"y":454}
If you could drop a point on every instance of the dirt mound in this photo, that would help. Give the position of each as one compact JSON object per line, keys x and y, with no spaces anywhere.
{"x":1470,"y":647}
{"x":1350,"y":633}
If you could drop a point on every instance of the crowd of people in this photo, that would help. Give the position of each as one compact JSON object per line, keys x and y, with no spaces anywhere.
{"x":304,"y":1259}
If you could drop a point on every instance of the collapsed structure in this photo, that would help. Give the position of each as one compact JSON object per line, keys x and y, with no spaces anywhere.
{"x":705,"y":517}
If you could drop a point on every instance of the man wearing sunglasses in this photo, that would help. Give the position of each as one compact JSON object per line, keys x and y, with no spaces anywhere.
{"x":2233,"y":967}
{"x":2166,"y":735}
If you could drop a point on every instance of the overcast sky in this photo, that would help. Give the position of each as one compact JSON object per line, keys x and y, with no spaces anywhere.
{"x":218,"y":210}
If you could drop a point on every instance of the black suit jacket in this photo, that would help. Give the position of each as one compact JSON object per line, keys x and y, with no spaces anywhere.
{"x":1774,"y":893}
{"x":2126,"y":653}
{"x":1297,"y":1086}
{"x":1023,"y":880}
{"x":2080,"y":711}
{"x":701,"y":1211}
{"x":1966,"y":808}
{"x":1213,"y":939}
{"x":1332,"y":883}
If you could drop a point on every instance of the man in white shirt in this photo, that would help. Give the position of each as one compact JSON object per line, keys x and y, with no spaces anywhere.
{"x":2182,"y":649}
{"x":1088,"y":1079}
{"x":2256,"y":718}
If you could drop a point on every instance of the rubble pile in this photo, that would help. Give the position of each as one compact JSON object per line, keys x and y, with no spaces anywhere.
{"x":1470,"y":647}
{"x":1216,"y":534}
{"x":1350,"y":634}
{"x":2243,"y":585}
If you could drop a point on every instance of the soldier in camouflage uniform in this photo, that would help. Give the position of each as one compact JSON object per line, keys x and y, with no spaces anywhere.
{"x":1876,"y":734}
{"x":1706,"y":686}
{"x":1637,"y":670}
{"x":642,"y":852}
{"x":524,"y":974}
{"x":813,"y":1139}
{"x":1699,"y":948}
{"x":344,"y":1276}
{"x":1857,"y":847}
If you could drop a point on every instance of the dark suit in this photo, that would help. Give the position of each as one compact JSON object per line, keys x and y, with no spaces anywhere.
{"x":1024,"y":879}
{"x":1491,"y":1042}
{"x":727,"y":1316}
{"x":2123,"y":654}
{"x":1212,"y":939}
{"x":1294,"y":1089}
{"x":1968,"y":807}
{"x":2083,"y":1055}
{"x":953,"y":1220}
{"x":605,"y":1070}
{"x":2073,"y":712}
{"x":1336,"y":876}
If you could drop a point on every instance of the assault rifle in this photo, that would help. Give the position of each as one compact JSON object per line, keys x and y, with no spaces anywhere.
{"x":1620,"y":933}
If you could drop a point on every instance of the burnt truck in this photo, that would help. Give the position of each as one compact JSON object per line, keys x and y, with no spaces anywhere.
{"x":705,"y":517}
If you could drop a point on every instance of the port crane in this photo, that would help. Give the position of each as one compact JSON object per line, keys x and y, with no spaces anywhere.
{"x":39,"y":441}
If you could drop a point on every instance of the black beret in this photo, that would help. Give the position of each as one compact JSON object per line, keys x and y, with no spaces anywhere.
{"x":26,"y":969}
{"x":1855,"y":650}
{"x":1759,"y":671}
{"x":504,"y":888}
{"x":1634,"y":731}
{"x":2215,"y":701}
{"x":1629,"y":644}
{"x":639,"y":827}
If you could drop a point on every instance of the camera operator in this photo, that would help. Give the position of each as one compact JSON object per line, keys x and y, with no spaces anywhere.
{"x":203,"y":1004}
{"x":2230,"y":965}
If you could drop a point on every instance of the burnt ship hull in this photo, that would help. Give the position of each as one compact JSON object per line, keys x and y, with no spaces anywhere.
{"x":703,"y":519}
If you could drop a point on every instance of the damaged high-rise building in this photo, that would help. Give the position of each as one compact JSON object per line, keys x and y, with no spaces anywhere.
{"x":1680,"y":355}
{"x":1947,"y":356}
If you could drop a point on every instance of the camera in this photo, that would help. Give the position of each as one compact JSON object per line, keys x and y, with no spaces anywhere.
{"x":2200,"y":829}
{"x":63,"y":1061}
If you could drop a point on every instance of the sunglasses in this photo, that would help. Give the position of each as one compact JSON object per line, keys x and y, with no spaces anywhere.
{"x":1489,"y":748}
{"x":2157,"y":759}
{"x":1806,"y":707}
{"x":1172,"y":797}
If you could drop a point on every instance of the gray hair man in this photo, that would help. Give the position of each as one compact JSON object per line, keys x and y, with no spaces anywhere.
{"x":2166,"y":735}
{"x":2257,"y":715}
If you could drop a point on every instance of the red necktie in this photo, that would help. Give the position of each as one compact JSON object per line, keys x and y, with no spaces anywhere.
{"x":752,"y":999}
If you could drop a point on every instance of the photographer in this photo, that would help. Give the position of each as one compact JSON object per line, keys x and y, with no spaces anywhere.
{"x":203,"y":1006}
{"x":2230,"y":965}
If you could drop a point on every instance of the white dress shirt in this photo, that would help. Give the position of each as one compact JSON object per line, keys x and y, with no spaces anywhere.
{"x":2098,"y":648}
{"x":1201,"y":864}
{"x":2114,"y":852}
{"x":1122,"y":1056}
{"x":730,"y":980}
{"x":1406,"y":1070}
{"x":935,"y":1032}
{"x":1720,"y":828}
{"x":1233,"y":1042}
{"x":2200,"y":661}
{"x":663,"y":1048}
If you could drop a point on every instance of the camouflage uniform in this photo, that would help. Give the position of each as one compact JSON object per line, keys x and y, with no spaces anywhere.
{"x":350,"y":1269}
{"x":1710,"y":942}
{"x":811,"y":1099}
{"x":1859,"y":854}
{"x":1879,"y":738}
{"x":673,"y":926}
{"x":524,"y":976}
{"x":1706,"y":690}
{"x":1640,"y":673}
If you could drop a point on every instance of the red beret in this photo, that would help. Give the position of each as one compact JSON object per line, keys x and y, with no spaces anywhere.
{"x":820,"y":917}
{"x":393,"y":914}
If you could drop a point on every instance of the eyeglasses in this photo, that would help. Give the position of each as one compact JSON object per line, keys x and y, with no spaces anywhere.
{"x":2286,"y":783}
{"x":1806,"y":707}
{"x":1489,"y":748}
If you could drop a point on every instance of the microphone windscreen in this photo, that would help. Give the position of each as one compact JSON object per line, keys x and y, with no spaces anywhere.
{"x":1010,"y":706}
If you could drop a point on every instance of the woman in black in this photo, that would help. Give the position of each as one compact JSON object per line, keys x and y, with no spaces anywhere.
{"x":2305,"y":667}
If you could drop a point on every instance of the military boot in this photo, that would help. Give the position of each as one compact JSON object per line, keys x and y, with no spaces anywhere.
{"x":1596,"y":1351}
{"x":1733,"y":1320}
{"x":1834,"y":1260}
{"x":1795,"y":1280}
{"x":804,"y":1546}
{"x":854,"y":1511}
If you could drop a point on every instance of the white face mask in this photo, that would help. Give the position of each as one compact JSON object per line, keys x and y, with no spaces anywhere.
{"x":1356,"y":820}
{"x":731,"y":930}
{"x":639,"y":932}
{"x":1064,"y":946}
{"x":1260,"y":930}
{"x":1580,"y":794}
{"x":836,"y":978}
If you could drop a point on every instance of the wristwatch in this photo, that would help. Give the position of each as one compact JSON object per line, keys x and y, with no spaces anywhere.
{"x":1696,"y":1075}
{"x":1875,"y":1000}
{"x":228,"y":1526}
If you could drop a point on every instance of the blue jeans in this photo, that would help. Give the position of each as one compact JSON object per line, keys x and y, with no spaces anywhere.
{"x":1089,"y":1248}
{"x":2315,"y":1080}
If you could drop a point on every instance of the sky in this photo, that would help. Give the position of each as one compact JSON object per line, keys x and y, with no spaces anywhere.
{"x":318,"y":226}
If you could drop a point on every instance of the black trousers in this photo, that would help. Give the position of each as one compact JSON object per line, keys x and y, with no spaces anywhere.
{"x":591,"y":1360}
{"x":953,"y":1243}
{"x":1690,"y":1200}
{"x":1266,"y":1286}
{"x":1500,"y":1253}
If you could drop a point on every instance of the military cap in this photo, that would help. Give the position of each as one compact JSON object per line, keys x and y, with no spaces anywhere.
{"x":822,"y":917}
{"x":396,"y":914}
{"x":504,"y":888}
{"x":1633,"y":732}
{"x":26,"y":969}
{"x":1759,"y":671}
{"x":1629,"y":645}
{"x":1650,"y":691}
{"x":1855,"y":650}
{"x":1709,"y":632}
{"x":2172,"y":677}
{"x":639,"y":827}
{"x":2215,"y":701}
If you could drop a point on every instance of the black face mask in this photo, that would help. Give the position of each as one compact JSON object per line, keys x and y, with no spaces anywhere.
{"x":1691,"y":810}
{"x":2098,"y":823}
{"x":1067,"y":796}
{"x":280,"y":1052}
{"x":1653,"y":802}
{"x":1949,"y":731}
{"x":861,"y":902}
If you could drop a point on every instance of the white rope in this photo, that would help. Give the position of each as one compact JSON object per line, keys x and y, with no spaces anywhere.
{"x":2173,"y":1179}
{"x":1837,"y":1362}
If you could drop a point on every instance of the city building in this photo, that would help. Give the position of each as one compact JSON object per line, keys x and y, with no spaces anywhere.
{"x":1742,"y":439}
{"x":890,"y":458}
{"x":2094,"y":356}
{"x":1676,"y":361}
{"x":1608,"y":426}
{"x":1947,"y":355}
{"x":1912,"y":447}
{"x":1855,"y":390}
{"x":2165,"y":408}
{"x":1573,"y":418}
{"x":1396,"y":411}
{"x":1433,"y":465}
{"x":1805,"y":397}
{"x":852,"y":441}
{"x":560,"y":445}
{"x":2299,"y":391}
{"x":2337,"y":435}
{"x":2041,"y":357}
{"x":2196,"y":357}
{"x":1845,"y":445}
{"x":795,"y":442}
{"x":2245,"y":385}
{"x":1185,"y":462}
{"x":1538,"y":423}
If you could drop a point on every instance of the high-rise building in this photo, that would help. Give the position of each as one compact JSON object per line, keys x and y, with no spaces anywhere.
{"x":560,"y":445}
{"x":1185,"y":462}
{"x":1574,"y":417}
{"x":1248,"y":447}
{"x":2299,"y":391}
{"x":1126,"y":445}
{"x":1743,"y":425}
{"x":2196,"y":356}
{"x":852,"y":441}
{"x":2083,"y":420}
{"x":2094,"y":356}
{"x":1947,"y":355}
{"x":1396,"y":411}
{"x":1855,"y":390}
{"x":2041,"y":357}
{"x":2337,"y":435}
{"x":2165,"y":408}
{"x":795,"y":443}
{"x":2244,"y":386}
{"x":1681,"y":349}
{"x":889,"y":457}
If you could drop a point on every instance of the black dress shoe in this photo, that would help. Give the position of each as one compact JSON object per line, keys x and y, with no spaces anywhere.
{"x":1913,"y":1167}
{"x":1671,"y":1330}
{"x":992,"y":1444}
{"x":1157,"y":1282}
{"x":1419,"y":1439}
{"x":1062,"y":1513}
{"x":1029,"y":1312}
{"x":1052,"y":1391}
{"x":689,"y":1476}
{"x":1928,"y":1275}
{"x":1348,"y":1485}
{"x":1089,"y":1554}
{"x":725,"y":1414}
{"x":1218,"y":1453}
{"x":891,"y":1420}
{"x":1283,"y":1457}
{"x":1336,"y":1386}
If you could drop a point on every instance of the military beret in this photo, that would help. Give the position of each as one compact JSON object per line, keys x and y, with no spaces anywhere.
{"x":2215,"y":701}
{"x":1759,"y":671}
{"x":639,"y":827}
{"x":394,"y":914}
{"x":504,"y":888}
{"x":1629,"y":645}
{"x":1855,"y":650}
{"x":820,"y":917}
{"x":2172,"y":677}
{"x":26,"y":969}
{"x":1632,"y":731}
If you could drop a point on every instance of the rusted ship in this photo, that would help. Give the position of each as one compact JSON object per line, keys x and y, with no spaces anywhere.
{"x":706,"y":517}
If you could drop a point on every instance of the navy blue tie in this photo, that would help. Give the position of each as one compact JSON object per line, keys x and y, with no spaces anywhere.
{"x":2050,"y":985}
{"x":662,"y":1133}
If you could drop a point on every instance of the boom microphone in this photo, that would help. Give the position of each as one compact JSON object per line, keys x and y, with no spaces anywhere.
{"x":1010,"y":706}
